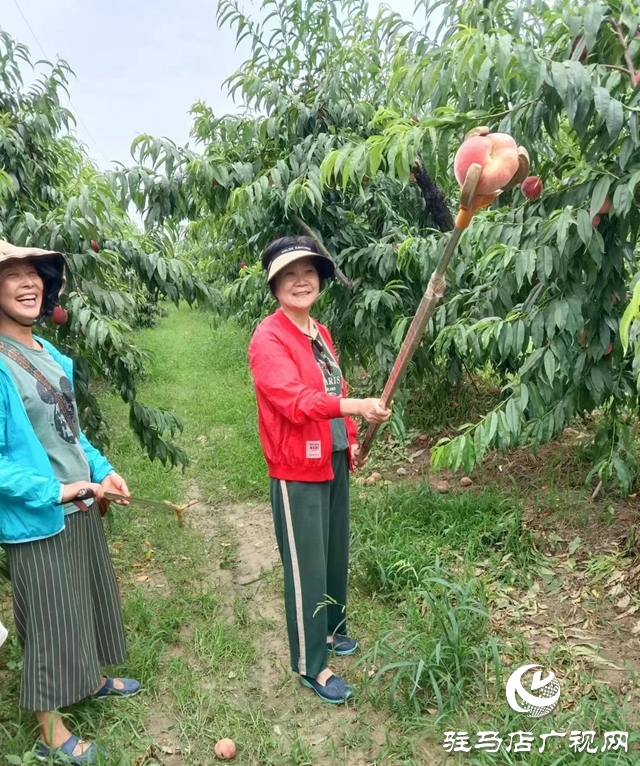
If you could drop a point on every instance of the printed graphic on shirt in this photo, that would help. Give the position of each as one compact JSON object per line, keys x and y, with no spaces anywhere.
{"x":64,"y":416}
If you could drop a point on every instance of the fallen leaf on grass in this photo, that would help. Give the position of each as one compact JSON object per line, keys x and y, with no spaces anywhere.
{"x":171,"y":750}
{"x":632,"y":610}
{"x":624,"y":602}
{"x":574,"y":545}
{"x":589,"y":650}
{"x":143,"y":578}
{"x":636,"y":628}
{"x":615,"y":577}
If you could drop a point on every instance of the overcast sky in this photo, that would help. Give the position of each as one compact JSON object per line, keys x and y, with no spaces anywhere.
{"x":139,"y":64}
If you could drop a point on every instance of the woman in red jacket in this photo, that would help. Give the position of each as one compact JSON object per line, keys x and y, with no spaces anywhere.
{"x":309,"y":442}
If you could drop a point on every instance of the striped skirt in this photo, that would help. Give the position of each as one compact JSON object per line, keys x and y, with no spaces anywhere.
{"x":67,"y":612}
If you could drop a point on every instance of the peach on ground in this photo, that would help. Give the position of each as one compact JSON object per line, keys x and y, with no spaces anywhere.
{"x":225,"y":749}
{"x":497,"y":153}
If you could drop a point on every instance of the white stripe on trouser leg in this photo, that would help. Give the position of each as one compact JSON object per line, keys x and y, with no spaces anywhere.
{"x":297,"y":585}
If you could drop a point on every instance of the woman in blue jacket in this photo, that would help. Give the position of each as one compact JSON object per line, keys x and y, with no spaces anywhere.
{"x":66,"y":606}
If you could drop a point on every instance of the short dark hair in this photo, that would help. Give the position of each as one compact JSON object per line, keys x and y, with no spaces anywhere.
{"x":51,"y":271}
{"x":274,"y":249}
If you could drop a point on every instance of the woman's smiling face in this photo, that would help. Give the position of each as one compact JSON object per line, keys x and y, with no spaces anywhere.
{"x":21,"y":291}
{"x":298,"y":285}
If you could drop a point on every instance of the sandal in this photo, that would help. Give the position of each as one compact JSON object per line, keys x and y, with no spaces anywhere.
{"x":64,"y":753}
{"x":342,"y":645}
{"x":108,"y":689}
{"x":335,"y":691}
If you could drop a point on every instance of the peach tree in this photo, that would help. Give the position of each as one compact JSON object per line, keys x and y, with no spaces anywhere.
{"x":52,"y":196}
{"x":349,"y":128}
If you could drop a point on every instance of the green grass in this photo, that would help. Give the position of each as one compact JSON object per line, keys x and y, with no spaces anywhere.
{"x":425,"y":573}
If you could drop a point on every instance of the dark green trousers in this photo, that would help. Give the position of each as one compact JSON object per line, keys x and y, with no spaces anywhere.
{"x":312,"y":528}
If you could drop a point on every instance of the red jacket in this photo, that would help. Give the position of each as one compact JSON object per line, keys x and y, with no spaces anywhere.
{"x":293,"y":408}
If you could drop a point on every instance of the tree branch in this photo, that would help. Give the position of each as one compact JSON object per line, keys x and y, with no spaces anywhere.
{"x":618,"y":30}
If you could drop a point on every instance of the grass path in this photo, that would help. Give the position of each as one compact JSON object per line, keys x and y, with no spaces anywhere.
{"x":204,"y":612}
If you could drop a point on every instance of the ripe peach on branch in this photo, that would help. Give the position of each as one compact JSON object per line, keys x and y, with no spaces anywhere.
{"x":498,"y":164}
{"x":496,"y":153}
{"x":59,"y":315}
{"x":532,"y":187}
{"x":606,"y":207}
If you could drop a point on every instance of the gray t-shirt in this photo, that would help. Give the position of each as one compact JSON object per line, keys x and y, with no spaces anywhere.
{"x":53,"y":413}
{"x":333,"y":385}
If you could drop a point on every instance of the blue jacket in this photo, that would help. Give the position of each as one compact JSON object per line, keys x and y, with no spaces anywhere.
{"x":29,"y":490}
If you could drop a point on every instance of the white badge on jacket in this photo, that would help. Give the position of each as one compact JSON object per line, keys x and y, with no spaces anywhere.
{"x":314,"y":450}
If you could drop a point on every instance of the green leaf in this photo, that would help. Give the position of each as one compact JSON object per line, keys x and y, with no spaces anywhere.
{"x":631,"y":312}
{"x":601,"y":99}
{"x":549,"y":365}
{"x":622,"y":200}
{"x":519,"y":335}
{"x":561,"y":314}
{"x":625,"y":153}
{"x":548,"y":261}
{"x":593,"y":16}
{"x":560,"y":80}
{"x":492,"y":426}
{"x":513,"y":417}
{"x":615,"y":119}
{"x":624,"y":475}
{"x":574,"y":545}
{"x":597,"y":381}
{"x":585,"y":227}
{"x":599,"y":194}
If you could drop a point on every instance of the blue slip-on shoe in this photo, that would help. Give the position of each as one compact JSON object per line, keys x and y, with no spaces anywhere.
{"x":342,"y":645}
{"x":335,"y":691}
{"x":108,"y":689}
{"x":64,"y":753}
